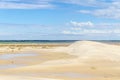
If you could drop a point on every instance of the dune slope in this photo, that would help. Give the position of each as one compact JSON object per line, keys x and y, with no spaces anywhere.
{"x":94,"y":50}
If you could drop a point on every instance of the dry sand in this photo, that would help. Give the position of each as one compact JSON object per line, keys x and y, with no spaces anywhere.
{"x":82,"y":60}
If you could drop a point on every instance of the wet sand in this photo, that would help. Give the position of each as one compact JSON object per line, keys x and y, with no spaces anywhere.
{"x":59,"y":62}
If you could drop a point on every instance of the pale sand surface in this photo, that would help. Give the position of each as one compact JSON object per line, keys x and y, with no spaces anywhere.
{"x":82,"y":60}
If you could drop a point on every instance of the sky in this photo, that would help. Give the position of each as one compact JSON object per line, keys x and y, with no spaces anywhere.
{"x":59,"y":19}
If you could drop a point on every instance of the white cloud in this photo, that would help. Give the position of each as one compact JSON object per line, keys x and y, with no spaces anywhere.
{"x":99,"y":28}
{"x":93,"y":31}
{"x":81,"y":24}
{"x":21,"y":4}
{"x":92,"y":3}
{"x":28,"y":4}
{"x":99,"y":8}
{"x":111,"y":11}
{"x":66,"y":32}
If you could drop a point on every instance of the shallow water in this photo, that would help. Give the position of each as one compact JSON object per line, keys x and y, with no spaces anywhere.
{"x":64,"y":74}
{"x":72,"y":75}
{"x":9,"y":66}
{"x":10,"y":56}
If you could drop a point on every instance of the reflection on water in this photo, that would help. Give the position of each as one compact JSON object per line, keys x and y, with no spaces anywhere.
{"x":9,"y":66}
{"x":73,"y":75}
{"x":14,"y":65}
{"x":64,"y":74}
{"x":9,"y":56}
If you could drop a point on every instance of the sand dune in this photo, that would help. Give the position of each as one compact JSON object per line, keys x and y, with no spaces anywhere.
{"x":100,"y":60}
{"x":95,"y":50}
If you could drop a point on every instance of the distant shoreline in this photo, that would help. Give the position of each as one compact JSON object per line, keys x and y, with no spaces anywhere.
{"x":36,"y":41}
{"x":42,"y":42}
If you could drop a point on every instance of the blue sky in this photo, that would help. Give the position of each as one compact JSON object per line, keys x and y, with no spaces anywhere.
{"x":59,"y":19}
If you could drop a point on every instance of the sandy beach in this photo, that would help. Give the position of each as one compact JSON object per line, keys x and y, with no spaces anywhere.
{"x":82,"y":60}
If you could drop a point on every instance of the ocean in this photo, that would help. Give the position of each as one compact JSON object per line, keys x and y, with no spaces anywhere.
{"x":52,"y":41}
{"x":35,"y":41}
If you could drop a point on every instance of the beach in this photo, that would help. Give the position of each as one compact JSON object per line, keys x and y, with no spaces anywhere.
{"x":59,"y":39}
{"x":81,"y":60}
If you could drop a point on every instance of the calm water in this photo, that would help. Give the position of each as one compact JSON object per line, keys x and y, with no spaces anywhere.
{"x":35,"y":41}
{"x":49,"y":41}
{"x":8,"y":66}
{"x":10,"y":56}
